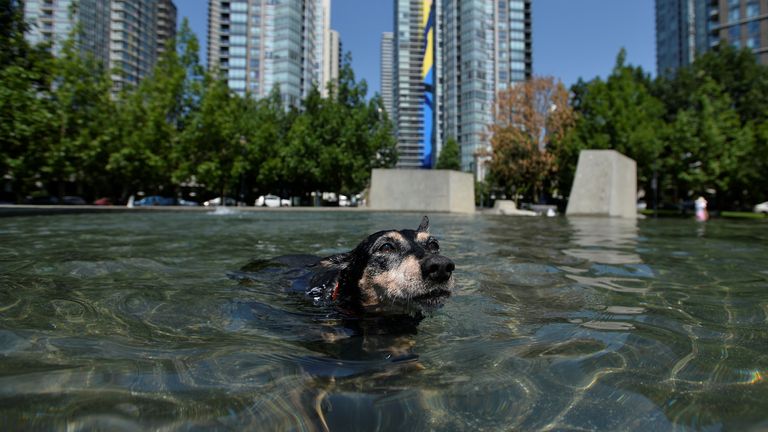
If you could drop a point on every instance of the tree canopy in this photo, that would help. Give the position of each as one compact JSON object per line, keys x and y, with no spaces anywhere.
{"x":65,"y":130}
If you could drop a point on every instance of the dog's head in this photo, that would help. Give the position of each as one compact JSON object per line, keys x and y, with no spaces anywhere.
{"x":395,"y":271}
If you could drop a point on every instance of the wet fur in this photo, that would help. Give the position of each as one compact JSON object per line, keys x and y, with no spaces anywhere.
{"x":388,"y":273}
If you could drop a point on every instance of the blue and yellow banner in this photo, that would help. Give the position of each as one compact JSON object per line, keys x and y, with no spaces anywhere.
{"x":428,"y":76}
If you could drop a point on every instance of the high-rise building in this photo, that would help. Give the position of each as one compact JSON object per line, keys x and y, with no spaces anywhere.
{"x":166,"y":24}
{"x":332,"y":58}
{"x":687,"y":28}
{"x":53,"y":21}
{"x":331,"y":50}
{"x":387,"y":66}
{"x":408,"y":84}
{"x":480,"y":48}
{"x":741,"y":23}
{"x":125,"y":35}
{"x":262,"y":44}
{"x":681,"y":33}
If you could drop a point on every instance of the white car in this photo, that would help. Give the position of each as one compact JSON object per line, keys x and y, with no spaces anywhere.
{"x":268,"y":201}
{"x":761,"y":208}
{"x":230,"y":202}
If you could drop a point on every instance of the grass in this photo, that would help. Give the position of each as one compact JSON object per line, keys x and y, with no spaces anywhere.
{"x":742,"y":215}
{"x":723,"y":214}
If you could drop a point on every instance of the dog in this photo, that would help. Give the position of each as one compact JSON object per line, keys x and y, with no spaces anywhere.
{"x":391,"y":272}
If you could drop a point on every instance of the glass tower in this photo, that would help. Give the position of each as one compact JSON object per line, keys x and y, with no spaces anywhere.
{"x":486,"y":47}
{"x":125,"y":35}
{"x":387,"y":54}
{"x":261,"y":44}
{"x":686,"y":28}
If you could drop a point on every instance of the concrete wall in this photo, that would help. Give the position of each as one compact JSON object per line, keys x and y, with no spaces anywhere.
{"x":422,"y":190}
{"x":605,"y":185}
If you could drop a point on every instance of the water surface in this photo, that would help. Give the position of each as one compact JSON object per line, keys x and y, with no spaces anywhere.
{"x":135,"y":321}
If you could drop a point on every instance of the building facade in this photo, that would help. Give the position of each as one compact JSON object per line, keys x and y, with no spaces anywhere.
{"x":408,"y":94}
{"x":125,"y":35}
{"x":333,"y":58}
{"x":741,"y":23}
{"x":387,"y":69}
{"x":166,"y":24}
{"x":258,"y":45}
{"x":687,"y":28}
{"x":481,"y":47}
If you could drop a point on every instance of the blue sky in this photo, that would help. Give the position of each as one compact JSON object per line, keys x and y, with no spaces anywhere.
{"x":571,"y":38}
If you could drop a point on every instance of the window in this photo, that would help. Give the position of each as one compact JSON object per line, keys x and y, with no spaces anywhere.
{"x":734,"y":34}
{"x":236,"y":73}
{"x":753,"y":9}
{"x":239,"y":7}
{"x":734,"y":14}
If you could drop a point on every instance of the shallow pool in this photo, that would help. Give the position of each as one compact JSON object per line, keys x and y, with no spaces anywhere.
{"x":135,"y":321}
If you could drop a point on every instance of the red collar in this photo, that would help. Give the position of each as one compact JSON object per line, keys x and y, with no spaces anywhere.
{"x":335,"y":293}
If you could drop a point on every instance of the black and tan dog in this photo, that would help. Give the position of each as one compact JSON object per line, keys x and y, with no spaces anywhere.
{"x":390,"y":272}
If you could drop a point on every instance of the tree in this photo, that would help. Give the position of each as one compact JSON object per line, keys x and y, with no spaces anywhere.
{"x":26,"y":111}
{"x":708,"y":148}
{"x":449,"y":156}
{"x":83,"y":111}
{"x":619,"y":113}
{"x":529,"y":120}
{"x":213,"y":138}
{"x":145,"y":152}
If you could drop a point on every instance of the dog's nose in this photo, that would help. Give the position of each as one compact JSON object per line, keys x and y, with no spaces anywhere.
{"x":437,"y":267}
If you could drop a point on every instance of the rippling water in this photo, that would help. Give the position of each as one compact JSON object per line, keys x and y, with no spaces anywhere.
{"x":134,"y":321}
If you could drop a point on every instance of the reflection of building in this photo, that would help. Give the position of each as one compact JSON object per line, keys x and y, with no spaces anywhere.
{"x":685,"y":28}
{"x":122,"y":34}
{"x":262,"y":44}
{"x":481,"y":47}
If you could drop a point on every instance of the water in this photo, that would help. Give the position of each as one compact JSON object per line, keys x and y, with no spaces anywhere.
{"x":134,"y":322}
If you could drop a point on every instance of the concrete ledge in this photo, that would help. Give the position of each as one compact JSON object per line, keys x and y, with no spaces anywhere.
{"x":605,"y":185}
{"x":509,"y":208}
{"x":422,"y":190}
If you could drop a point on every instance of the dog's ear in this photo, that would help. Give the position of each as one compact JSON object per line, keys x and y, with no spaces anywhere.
{"x":424,"y":226}
{"x":337,"y":262}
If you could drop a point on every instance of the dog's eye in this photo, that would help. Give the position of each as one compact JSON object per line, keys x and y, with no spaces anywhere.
{"x":387,"y":248}
{"x":433,"y":246}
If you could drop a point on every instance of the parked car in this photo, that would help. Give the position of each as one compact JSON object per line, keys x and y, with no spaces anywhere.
{"x":102,"y":202}
{"x":761,"y":208}
{"x":42,"y":200}
{"x":187,"y":203}
{"x":217,"y":202}
{"x":270,"y":201}
{"x":155,"y":200}
{"x":73,"y":200}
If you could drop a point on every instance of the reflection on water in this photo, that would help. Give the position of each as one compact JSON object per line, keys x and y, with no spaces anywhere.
{"x":168,"y":321}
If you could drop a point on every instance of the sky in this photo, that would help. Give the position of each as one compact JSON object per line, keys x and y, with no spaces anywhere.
{"x":572,"y":39}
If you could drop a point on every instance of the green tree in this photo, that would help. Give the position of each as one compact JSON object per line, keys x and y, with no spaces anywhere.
{"x":449,"y":156}
{"x":619,"y":113}
{"x":720,"y":100}
{"x":26,"y":110}
{"x":214,"y":139}
{"x":83,"y":111}
{"x":151,"y":117}
{"x":707,"y":147}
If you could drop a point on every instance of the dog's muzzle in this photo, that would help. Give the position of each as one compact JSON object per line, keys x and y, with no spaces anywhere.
{"x":437,"y":268}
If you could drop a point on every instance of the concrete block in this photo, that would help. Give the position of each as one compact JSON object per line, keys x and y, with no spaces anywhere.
{"x":508,"y":207}
{"x":605,"y":185}
{"x":422,"y":190}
